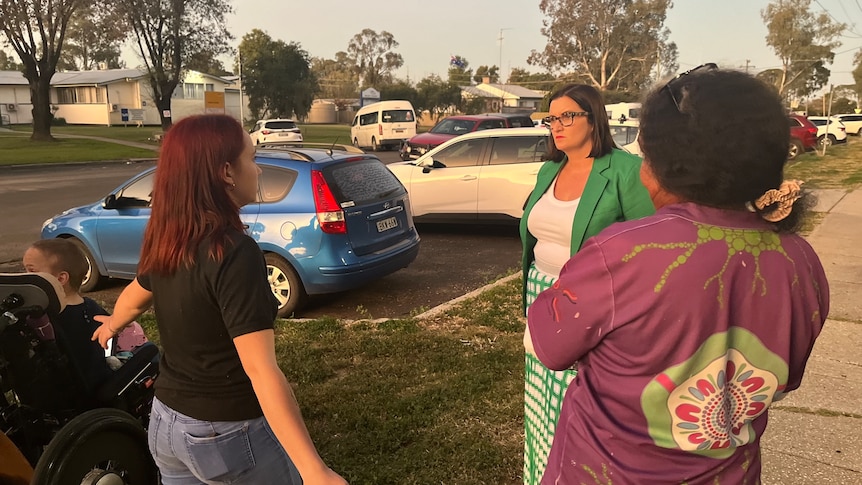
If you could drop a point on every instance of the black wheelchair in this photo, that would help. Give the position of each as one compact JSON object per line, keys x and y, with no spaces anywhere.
{"x":66,"y":436}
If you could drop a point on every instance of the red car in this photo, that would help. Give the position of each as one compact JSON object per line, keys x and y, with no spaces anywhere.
{"x":803,"y":135}
{"x":453,"y":126}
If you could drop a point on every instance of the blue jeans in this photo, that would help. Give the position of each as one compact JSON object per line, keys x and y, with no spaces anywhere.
{"x":190,"y":451}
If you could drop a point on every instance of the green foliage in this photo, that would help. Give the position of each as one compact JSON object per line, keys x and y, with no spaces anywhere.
{"x":337,"y":78}
{"x":540,"y":81}
{"x":276,"y":76}
{"x":400,"y":89}
{"x":373,"y":58}
{"x":437,"y":95}
{"x":95,"y":35}
{"x":614,"y":44}
{"x":20,"y":150}
{"x":804,"y":42}
{"x":491,"y":72}
{"x":460,"y":72}
{"x":7,"y":62}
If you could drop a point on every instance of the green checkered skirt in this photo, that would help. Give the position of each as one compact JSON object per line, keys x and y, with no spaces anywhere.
{"x":543,"y":396}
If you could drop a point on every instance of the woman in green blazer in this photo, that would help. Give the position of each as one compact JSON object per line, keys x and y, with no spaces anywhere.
{"x":586,"y":185}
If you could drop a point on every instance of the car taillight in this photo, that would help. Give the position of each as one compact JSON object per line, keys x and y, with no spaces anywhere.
{"x":813,"y":130}
{"x":265,"y":132}
{"x":380,"y":130}
{"x":329,"y":213}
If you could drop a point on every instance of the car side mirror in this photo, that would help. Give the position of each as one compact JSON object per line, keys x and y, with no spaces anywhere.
{"x":434,"y":164}
{"x":110,"y":202}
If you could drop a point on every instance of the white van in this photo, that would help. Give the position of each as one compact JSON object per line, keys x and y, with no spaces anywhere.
{"x":386,"y":124}
{"x":623,"y":111}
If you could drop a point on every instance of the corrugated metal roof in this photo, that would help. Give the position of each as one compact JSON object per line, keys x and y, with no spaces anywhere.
{"x":515,"y":90}
{"x":12,"y":78}
{"x":86,"y":78}
{"x":478,"y":93}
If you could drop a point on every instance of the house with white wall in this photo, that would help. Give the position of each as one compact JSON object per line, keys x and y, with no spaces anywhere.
{"x":114,"y":97}
{"x":514,"y":98}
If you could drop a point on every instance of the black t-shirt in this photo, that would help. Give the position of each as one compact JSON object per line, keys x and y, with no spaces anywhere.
{"x":199,"y":312}
{"x":75,"y":326}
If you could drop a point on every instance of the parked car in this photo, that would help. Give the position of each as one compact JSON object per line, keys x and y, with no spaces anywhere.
{"x":803,"y":135}
{"x":481,"y":176}
{"x":852,"y":122}
{"x":457,"y":125}
{"x":383,"y":125}
{"x":625,"y":135}
{"x":275,"y":131}
{"x":829,"y":130}
{"x":326,"y":221}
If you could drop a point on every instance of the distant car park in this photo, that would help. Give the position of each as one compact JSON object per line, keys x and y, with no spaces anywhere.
{"x":457,"y":125}
{"x":852,"y":122}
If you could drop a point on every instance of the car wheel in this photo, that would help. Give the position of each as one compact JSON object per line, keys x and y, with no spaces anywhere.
{"x":795,"y":149}
{"x":285,"y":285}
{"x":356,"y":143}
{"x":374,"y":146}
{"x":825,"y":141}
{"x":92,"y":278}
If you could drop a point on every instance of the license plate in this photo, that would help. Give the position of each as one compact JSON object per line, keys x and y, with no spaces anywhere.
{"x":387,"y":224}
{"x":399,"y":131}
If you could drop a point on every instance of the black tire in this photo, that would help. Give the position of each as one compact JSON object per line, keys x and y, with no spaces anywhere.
{"x":356,"y":143}
{"x":374,"y":146}
{"x":285,"y":285}
{"x":796,"y":149}
{"x":99,"y":443}
{"x":825,"y":140}
{"x":92,"y":278}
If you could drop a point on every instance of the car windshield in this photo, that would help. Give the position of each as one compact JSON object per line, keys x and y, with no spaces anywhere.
{"x":280,"y":125}
{"x":397,"y":116}
{"x":453,"y":127}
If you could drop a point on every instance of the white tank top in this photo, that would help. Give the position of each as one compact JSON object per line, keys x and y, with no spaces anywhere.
{"x":551,"y":222}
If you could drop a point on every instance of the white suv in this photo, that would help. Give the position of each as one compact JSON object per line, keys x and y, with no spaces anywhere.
{"x":484,"y":175}
{"x":852,"y":121}
{"x":829,"y":130}
{"x":275,"y":131}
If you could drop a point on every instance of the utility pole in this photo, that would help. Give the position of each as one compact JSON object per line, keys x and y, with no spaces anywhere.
{"x":747,"y":65}
{"x":500,"y":67}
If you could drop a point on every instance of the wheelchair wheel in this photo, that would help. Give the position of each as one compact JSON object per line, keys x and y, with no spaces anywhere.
{"x":100,"y":447}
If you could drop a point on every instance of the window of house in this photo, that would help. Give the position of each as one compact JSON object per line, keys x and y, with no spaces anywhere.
{"x":196,"y":90}
{"x":81,"y":95}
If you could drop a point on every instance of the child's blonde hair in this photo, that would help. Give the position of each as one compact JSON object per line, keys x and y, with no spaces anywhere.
{"x":64,"y":255}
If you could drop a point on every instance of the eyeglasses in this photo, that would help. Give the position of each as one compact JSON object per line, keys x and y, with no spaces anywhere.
{"x":565,"y":118}
{"x":709,"y":66}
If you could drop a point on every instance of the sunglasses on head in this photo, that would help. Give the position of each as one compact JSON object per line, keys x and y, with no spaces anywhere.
{"x":709,"y":66}
{"x":565,"y":118}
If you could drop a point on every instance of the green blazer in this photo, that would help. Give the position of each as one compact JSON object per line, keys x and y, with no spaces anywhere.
{"x":613,"y":193}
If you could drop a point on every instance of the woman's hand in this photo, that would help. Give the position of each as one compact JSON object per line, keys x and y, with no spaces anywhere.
{"x":105,"y":331}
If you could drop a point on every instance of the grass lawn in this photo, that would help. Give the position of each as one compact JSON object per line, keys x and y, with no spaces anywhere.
{"x":405,"y":401}
{"x":16,"y":150}
{"x":130,"y":133}
{"x":841,"y":167}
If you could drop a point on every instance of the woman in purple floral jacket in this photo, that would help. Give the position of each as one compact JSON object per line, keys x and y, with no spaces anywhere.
{"x":687,"y":325}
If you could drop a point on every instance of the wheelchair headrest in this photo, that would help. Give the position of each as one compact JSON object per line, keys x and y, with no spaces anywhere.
{"x":36,"y":289}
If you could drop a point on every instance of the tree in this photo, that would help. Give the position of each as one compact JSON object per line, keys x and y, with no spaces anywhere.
{"x":611,"y":43}
{"x":371,"y":54}
{"x":804,"y":42}
{"x":207,"y":63}
{"x":276,"y":76}
{"x":400,"y":89}
{"x":7,"y":62}
{"x":459,"y":71}
{"x":492,"y":73}
{"x":36,"y":31}
{"x":336,"y":78}
{"x":169,"y":33}
{"x":437,"y":96}
{"x":94,"y":36}
{"x":857,"y":74}
{"x":540,"y":81}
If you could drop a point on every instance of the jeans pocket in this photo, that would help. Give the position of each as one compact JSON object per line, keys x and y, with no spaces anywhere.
{"x":153,"y":433}
{"x":222,"y":457}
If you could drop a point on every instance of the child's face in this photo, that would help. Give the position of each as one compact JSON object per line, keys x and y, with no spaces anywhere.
{"x":36,"y":261}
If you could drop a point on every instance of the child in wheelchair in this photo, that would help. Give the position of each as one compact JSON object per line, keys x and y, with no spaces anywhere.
{"x":75,"y":324}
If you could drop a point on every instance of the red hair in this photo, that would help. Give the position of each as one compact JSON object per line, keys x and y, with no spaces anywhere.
{"x":190,"y":200}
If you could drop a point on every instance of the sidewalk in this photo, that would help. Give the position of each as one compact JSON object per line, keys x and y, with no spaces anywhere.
{"x":815,"y":434}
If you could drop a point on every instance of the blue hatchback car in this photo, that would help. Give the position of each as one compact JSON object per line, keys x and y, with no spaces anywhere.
{"x":326,"y":220}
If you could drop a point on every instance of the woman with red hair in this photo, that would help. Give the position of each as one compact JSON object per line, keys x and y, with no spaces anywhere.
{"x":223,"y":410}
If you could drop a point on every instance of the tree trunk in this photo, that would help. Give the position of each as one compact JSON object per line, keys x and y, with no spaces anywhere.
{"x":164,"y":105}
{"x":40,"y":95}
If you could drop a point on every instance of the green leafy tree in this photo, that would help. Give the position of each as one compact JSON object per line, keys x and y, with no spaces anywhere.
{"x":459,"y":71}
{"x":540,"y":81}
{"x":437,"y":96}
{"x":7,"y":62}
{"x":373,"y":57}
{"x":337,"y":78}
{"x":169,"y":33}
{"x":94,"y":37}
{"x":804,"y":42}
{"x":610,"y":43}
{"x":276,"y":76}
{"x":491,"y":72}
{"x":857,"y":74}
{"x":400,"y":89}
{"x":36,"y":30}
{"x":206,"y":62}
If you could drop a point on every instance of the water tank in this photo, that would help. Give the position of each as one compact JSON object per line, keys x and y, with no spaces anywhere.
{"x":322,"y":112}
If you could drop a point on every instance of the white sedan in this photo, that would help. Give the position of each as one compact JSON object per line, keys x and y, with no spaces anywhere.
{"x":835,"y":132}
{"x":481,"y":176}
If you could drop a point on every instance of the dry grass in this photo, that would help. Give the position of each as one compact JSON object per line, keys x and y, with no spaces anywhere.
{"x":840,"y":168}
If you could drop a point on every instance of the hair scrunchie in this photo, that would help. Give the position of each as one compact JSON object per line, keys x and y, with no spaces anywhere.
{"x":784,"y":196}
